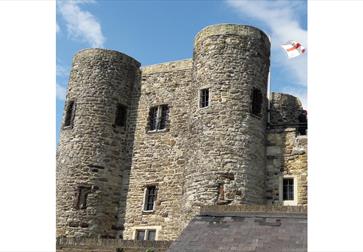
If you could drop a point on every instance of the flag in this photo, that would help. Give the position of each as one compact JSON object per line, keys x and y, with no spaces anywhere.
{"x":293,"y":49}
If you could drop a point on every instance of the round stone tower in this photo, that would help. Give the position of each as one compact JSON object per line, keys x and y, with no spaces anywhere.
{"x":92,"y":153}
{"x":228,"y":119}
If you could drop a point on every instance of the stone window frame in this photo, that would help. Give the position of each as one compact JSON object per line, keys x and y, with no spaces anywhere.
{"x":288,"y":202}
{"x":158,"y":117}
{"x":72,"y":114}
{"x":144,"y":198}
{"x":146,"y":228}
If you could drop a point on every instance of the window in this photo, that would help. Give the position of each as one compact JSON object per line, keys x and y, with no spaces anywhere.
{"x":204,"y":98}
{"x":80,"y":201}
{"x":145,"y":234}
{"x":288,"y":189}
{"x":256,"y":102}
{"x":70,"y":110}
{"x":121,"y":112}
{"x":158,"y":117}
{"x":150,"y":197}
{"x":140,"y":235}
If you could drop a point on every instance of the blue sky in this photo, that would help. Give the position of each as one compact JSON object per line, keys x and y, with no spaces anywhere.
{"x":158,"y":31}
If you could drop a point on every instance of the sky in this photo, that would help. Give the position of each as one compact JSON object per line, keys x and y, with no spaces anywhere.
{"x":159,"y":31}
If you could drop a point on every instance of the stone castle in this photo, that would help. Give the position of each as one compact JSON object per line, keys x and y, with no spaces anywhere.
{"x":143,"y":149}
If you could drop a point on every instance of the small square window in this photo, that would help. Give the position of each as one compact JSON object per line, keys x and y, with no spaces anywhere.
{"x":121,"y":113}
{"x":150,"y":197}
{"x":204,"y":98}
{"x":288,"y":189}
{"x":158,"y":117}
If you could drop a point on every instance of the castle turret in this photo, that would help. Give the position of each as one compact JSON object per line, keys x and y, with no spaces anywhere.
{"x":228,"y":119}
{"x":92,"y":153}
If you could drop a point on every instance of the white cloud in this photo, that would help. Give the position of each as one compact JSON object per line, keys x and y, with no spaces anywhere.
{"x":281,"y":17}
{"x":62,"y":71}
{"x":81,"y":24}
{"x":61,"y":92}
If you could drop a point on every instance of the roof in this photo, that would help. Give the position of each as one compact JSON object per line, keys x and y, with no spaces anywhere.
{"x":245,"y":231}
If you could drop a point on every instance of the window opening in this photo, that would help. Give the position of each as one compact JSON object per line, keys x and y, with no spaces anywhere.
{"x":158,"y":117}
{"x":68,"y":121}
{"x":288,"y":189}
{"x":151,"y":234}
{"x":204,"y":98}
{"x":256,"y":102}
{"x":81,"y":197}
{"x":150,"y":197}
{"x":302,"y":124}
{"x":140,"y":235}
{"x":121,"y":112}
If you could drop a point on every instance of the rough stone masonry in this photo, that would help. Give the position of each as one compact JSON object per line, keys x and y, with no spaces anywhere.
{"x":142,"y":149}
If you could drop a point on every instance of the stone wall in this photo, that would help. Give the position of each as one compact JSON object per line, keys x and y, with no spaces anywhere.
{"x":93,"y":153}
{"x":159,"y":157}
{"x":109,"y":245}
{"x":227,"y":142}
{"x":286,"y":155}
{"x":205,"y":156}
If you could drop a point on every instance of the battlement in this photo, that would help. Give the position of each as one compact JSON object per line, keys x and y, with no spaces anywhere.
{"x":185,"y":64}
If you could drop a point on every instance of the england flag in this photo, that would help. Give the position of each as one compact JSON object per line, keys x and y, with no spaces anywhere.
{"x":293,"y":49}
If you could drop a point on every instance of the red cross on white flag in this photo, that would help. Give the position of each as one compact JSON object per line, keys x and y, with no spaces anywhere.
{"x":293,"y":49}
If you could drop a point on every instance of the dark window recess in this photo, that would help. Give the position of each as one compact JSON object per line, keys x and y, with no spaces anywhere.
{"x":158,"y":117}
{"x":150,"y":198}
{"x":80,"y":201}
{"x":151,"y":234}
{"x":140,"y":235}
{"x":302,"y":124}
{"x":204,"y":98}
{"x":288,"y":189}
{"x":68,"y":121}
{"x":121,"y":112}
{"x":256,"y":102}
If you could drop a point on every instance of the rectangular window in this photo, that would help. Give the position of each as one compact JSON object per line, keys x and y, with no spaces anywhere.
{"x":204,"y":98}
{"x":256,"y":102}
{"x":140,"y":235}
{"x":151,"y":234}
{"x":158,"y":117}
{"x":68,"y":121}
{"x":145,"y":234}
{"x":150,"y":197}
{"x":80,"y":200}
{"x":288,"y":189}
{"x":121,"y":112}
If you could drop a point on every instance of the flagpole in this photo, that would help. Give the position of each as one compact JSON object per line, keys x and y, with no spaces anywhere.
{"x":268,"y":98}
{"x":269,"y":92}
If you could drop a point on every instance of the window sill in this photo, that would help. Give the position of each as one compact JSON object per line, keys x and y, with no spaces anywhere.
{"x":157,"y":131}
{"x":289,"y":203}
{"x":67,"y":127}
{"x":148,"y":211}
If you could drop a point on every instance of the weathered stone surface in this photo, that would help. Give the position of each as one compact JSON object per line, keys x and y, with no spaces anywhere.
{"x":217,"y":155}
